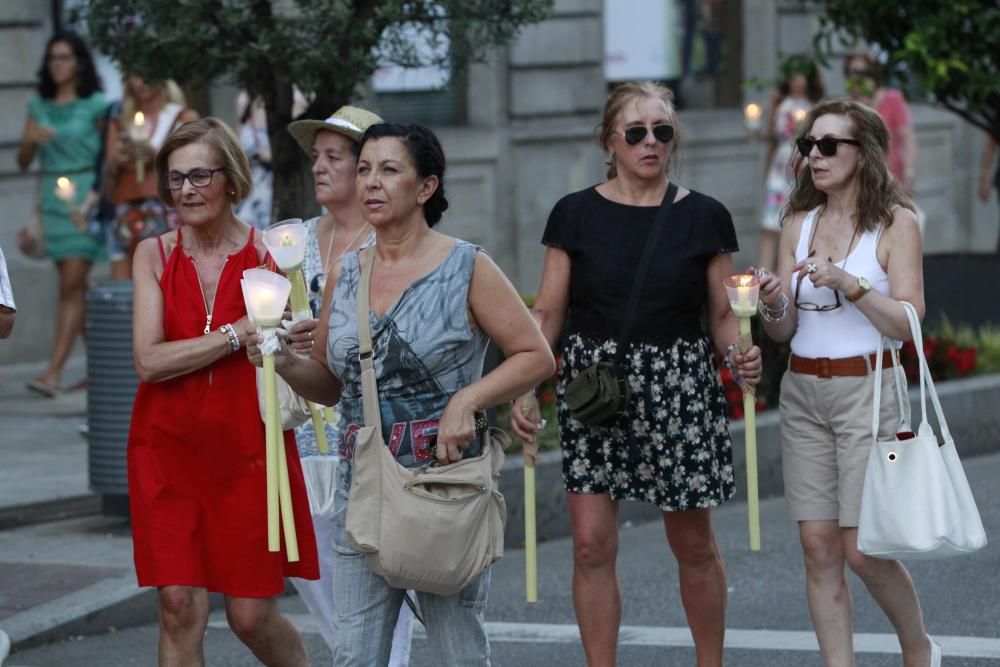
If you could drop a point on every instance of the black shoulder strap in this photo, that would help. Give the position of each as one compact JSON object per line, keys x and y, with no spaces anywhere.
{"x":640,"y":276}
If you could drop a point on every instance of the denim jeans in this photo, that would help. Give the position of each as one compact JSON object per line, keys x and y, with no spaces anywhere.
{"x":366,"y":607}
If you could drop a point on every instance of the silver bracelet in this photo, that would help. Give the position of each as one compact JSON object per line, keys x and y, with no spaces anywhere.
{"x":231,"y":337}
{"x":774,"y":316}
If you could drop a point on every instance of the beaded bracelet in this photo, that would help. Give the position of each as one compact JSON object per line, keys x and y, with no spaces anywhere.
{"x":774,"y":315}
{"x":231,"y":337}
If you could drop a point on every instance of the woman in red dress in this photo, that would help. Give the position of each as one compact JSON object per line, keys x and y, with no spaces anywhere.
{"x":196,"y":447}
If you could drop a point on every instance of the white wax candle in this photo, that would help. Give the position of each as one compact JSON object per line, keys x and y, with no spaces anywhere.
{"x":65,"y":189}
{"x":752,"y":115}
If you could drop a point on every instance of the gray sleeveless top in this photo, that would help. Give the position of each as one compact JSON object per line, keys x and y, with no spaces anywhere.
{"x":425,"y":351}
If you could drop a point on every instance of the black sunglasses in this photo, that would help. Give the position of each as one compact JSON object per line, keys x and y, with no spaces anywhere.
{"x":663,"y":134}
{"x":827,"y":145}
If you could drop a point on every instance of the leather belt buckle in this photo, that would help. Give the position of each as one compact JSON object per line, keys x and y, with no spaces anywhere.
{"x":824,"y":368}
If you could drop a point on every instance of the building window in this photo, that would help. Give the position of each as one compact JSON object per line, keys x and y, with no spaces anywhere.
{"x":693,"y":46}
{"x":427,"y":94}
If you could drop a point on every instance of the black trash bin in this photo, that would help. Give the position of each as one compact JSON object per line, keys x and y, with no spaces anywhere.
{"x":111,"y":387}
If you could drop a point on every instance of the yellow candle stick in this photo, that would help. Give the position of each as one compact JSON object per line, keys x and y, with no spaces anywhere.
{"x":750,"y":431}
{"x":140,"y":134}
{"x":271,"y":452}
{"x":300,"y":306}
{"x":285,"y":498}
{"x":532,"y":411}
{"x":530,"y":538}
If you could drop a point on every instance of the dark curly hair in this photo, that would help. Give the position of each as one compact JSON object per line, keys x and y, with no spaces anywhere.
{"x":425,"y":151}
{"x":798,"y":64}
{"x":87,"y":80}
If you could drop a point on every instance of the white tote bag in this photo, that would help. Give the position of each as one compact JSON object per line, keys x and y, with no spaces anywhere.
{"x":916,"y":502}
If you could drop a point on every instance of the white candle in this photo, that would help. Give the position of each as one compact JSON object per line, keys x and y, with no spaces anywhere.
{"x":752,"y":115}
{"x":139,"y":131}
{"x":799,"y":115}
{"x":65,"y":189}
{"x":742,"y":291}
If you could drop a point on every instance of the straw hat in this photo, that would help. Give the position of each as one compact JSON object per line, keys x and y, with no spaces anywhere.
{"x":347,"y":120}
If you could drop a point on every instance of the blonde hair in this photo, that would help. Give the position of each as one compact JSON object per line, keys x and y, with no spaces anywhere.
{"x":621,"y":95}
{"x":878,"y":191}
{"x":220,"y":137}
{"x":171,"y":93}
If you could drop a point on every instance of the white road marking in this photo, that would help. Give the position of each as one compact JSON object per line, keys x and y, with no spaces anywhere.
{"x":638,"y":635}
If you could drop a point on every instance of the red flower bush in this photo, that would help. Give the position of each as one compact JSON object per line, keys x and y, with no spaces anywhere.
{"x":945,"y":359}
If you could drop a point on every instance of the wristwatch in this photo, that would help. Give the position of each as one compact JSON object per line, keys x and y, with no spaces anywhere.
{"x":863,"y":288}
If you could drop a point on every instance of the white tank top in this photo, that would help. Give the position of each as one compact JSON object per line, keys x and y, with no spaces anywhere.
{"x":844,"y":331}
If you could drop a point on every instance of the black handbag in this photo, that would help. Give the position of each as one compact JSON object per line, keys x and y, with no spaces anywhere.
{"x":600,"y":393}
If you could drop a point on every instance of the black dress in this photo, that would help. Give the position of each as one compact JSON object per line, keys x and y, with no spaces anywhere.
{"x":672,"y":448}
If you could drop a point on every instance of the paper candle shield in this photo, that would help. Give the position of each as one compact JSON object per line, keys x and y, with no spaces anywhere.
{"x":286,"y":241}
{"x":266,"y":294}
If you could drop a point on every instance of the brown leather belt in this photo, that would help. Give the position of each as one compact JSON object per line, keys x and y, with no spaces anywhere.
{"x":826,"y":367}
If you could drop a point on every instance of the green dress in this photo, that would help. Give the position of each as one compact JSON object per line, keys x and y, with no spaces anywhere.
{"x":72,"y":152}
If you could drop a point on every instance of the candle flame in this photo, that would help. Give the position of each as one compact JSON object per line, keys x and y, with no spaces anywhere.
{"x":752,"y":111}
{"x":287,"y":241}
{"x":745,"y":280}
{"x":63,"y":183}
{"x":140,"y":119}
{"x":800,"y":115}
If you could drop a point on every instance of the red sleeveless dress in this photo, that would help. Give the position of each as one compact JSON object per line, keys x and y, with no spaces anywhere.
{"x":196,"y":472}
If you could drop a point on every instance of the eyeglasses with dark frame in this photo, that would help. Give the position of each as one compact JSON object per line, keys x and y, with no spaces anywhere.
{"x":815,"y":307}
{"x":200,"y":178}
{"x":663,"y":133}
{"x":827,"y":145}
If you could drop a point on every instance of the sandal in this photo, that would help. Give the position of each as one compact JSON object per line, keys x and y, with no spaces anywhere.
{"x":43,"y":388}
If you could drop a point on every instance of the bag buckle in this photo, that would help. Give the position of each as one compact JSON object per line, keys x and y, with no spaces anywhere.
{"x":823,"y":367}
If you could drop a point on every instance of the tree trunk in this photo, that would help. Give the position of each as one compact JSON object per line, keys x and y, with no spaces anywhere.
{"x":292,"y":168}
{"x":293,"y":183}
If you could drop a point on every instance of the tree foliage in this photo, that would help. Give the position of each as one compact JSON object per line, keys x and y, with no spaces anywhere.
{"x":951,"y":49}
{"x":326,"y":48}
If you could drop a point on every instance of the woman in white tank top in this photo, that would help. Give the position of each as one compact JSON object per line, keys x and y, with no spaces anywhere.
{"x":850,"y":251}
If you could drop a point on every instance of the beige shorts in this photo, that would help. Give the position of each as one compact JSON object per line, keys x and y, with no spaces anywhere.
{"x":826,"y":433}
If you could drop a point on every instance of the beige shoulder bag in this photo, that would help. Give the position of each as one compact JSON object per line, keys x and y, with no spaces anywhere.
{"x":432,"y":529}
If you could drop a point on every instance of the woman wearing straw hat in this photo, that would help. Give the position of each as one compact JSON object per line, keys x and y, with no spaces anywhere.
{"x":333,"y":146}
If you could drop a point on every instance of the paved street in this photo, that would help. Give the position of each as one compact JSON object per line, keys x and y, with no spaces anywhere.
{"x":768,"y":619}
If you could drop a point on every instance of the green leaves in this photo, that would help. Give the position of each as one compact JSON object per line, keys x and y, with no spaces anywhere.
{"x":950,"y":48}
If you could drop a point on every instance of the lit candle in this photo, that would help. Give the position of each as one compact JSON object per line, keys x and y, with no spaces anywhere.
{"x":742,"y":291}
{"x":286,"y":242}
{"x":265,"y":294}
{"x":139,"y":133}
{"x":66,"y":190}
{"x":799,"y":115}
{"x":752,"y":115}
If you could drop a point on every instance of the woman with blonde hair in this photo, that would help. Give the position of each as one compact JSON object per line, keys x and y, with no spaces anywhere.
{"x":131,"y":178}
{"x":670,"y":446}
{"x":849,"y":252}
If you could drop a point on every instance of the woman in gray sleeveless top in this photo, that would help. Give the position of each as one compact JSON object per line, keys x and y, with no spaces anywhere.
{"x":435,"y":303}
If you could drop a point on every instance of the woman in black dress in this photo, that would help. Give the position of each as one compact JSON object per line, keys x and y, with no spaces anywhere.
{"x":672,"y":448}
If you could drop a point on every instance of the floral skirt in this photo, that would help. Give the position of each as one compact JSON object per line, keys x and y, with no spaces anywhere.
{"x":672,"y":449}
{"x":141,"y":219}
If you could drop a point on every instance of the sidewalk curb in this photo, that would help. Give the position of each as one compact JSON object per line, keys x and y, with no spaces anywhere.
{"x":107,"y":605}
{"x":29,"y":514}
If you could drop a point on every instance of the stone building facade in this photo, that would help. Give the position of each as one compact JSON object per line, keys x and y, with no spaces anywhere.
{"x":524,"y":137}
